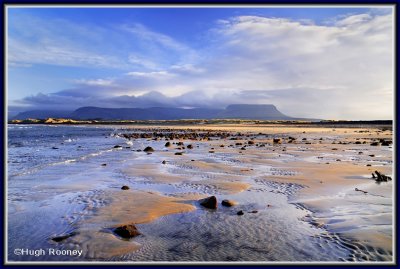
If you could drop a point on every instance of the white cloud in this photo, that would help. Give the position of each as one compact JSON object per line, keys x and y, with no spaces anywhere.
{"x":354,"y":19}
{"x":155,"y":75}
{"x":94,"y":82}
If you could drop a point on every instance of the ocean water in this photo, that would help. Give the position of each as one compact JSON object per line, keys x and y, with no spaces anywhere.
{"x":56,"y":181}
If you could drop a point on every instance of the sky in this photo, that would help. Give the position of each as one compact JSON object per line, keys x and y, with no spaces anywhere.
{"x":318,"y":62}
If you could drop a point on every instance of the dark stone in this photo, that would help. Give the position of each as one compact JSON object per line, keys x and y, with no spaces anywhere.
{"x":168,"y":144}
{"x":277,"y":140}
{"x":124,"y":187}
{"x":254,"y":211}
{"x":209,"y":202}
{"x":178,"y":153}
{"x":103,"y":164}
{"x":148,"y":149}
{"x":385,"y":143}
{"x":118,"y":147}
{"x":127,"y":231}
{"x":164,"y":162}
{"x":63,"y":237}
{"x":251,"y":142}
{"x":190,"y":146}
{"x":381,"y":177}
{"x":374,"y":144}
{"x":54,"y":148}
{"x":240,"y":213}
{"x":227,"y":203}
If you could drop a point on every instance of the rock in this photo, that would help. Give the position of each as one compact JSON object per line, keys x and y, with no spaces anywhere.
{"x":356,"y":189}
{"x":164,"y":162}
{"x":168,"y":144}
{"x":254,"y":211}
{"x":103,"y":164}
{"x":385,"y":143}
{"x":124,"y":187}
{"x":54,"y":148}
{"x":374,"y":144}
{"x":190,"y":146}
{"x":148,"y":149}
{"x":240,"y":213}
{"x":118,"y":147}
{"x":277,"y":140}
{"x":251,"y":142}
{"x":178,"y":153}
{"x":381,"y":177}
{"x":209,"y":202}
{"x":63,"y":237}
{"x":228,"y":203}
{"x":127,"y":231}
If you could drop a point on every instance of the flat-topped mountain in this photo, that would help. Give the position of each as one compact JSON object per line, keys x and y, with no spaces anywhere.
{"x":236,"y":111}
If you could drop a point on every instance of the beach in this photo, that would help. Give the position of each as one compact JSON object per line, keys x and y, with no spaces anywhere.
{"x":306,"y":193}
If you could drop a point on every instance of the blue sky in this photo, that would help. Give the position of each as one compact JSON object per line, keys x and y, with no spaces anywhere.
{"x":310,"y":62}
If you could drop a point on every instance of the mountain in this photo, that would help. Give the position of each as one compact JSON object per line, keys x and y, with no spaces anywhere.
{"x":42,"y":114}
{"x":242,"y":111}
{"x":254,"y":112}
{"x":154,"y":113}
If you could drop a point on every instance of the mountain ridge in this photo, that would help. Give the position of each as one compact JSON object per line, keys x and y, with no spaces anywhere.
{"x":233,"y":111}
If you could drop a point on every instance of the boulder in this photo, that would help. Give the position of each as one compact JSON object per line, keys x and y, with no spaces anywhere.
{"x":124,"y":187}
{"x":209,"y":202}
{"x":168,"y":144}
{"x":148,"y":149}
{"x":277,"y":140}
{"x":118,"y":147}
{"x":190,"y":146}
{"x":240,"y":213}
{"x":127,"y":231}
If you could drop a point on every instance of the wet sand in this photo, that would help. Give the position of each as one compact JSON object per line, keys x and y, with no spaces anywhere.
{"x":305,"y":181}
